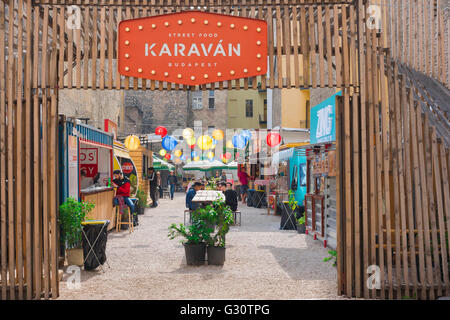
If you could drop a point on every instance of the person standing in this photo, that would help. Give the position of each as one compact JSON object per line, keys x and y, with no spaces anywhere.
{"x":159,"y":184}
{"x":172,"y":182}
{"x":153,"y":184}
{"x":243,"y":180}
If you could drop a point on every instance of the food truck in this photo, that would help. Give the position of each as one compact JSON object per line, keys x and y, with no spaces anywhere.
{"x":86,"y":166}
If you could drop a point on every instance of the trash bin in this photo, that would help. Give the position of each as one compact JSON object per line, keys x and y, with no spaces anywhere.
{"x":95,"y":237}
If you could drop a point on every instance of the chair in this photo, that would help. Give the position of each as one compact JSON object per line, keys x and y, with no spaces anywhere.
{"x":119,"y":222}
{"x":237,"y":214}
{"x":187,"y":212}
{"x":166,"y":192}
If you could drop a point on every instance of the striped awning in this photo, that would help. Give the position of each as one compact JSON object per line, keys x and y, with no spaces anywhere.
{"x":282,"y":156}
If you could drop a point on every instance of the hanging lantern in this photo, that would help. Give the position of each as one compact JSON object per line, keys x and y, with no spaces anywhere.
{"x":197,"y":159}
{"x":168,"y":156}
{"x":273,"y":139}
{"x":194,"y":154}
{"x":230,"y":144}
{"x":239,"y":141}
{"x":132,"y":143}
{"x":169,"y":143}
{"x":161,"y":131}
{"x":227,"y":156}
{"x":188,"y":133}
{"x":190,"y":141}
{"x":218,"y":134}
{"x":210,"y":155}
{"x":178,"y":153}
{"x":204,"y":142}
{"x":162,"y":152}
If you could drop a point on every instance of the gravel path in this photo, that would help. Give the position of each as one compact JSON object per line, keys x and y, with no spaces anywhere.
{"x":262,"y":262}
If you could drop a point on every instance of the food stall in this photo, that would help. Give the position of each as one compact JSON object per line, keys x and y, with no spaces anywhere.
{"x":122,"y":161}
{"x":142,"y":159}
{"x":86,"y":167}
{"x":320,"y":198}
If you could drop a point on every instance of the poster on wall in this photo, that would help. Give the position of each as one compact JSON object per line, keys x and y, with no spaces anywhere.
{"x":129,"y":171}
{"x":73,"y":166}
{"x":89,"y":161}
{"x":323,"y":120}
{"x":111,"y":127}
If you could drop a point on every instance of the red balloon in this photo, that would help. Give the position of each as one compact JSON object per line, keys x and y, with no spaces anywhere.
{"x":273,"y":139}
{"x":227,"y":156}
{"x":161,"y":131}
{"x":168,"y":156}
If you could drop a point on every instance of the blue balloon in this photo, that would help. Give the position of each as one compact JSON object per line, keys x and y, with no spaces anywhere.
{"x":183,"y":157}
{"x":240,"y":141}
{"x":169,"y":143}
{"x":194,"y":154}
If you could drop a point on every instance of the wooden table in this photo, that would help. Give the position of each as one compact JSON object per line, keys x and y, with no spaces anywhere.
{"x":103,"y":200}
{"x":208,"y":196}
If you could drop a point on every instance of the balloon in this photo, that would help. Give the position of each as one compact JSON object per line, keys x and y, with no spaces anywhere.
{"x":161,"y":131}
{"x":162,"y":152}
{"x":190,"y":141}
{"x":204,"y":142}
{"x":224,"y":160}
{"x":239,"y":141}
{"x":177,"y":161}
{"x":183,"y":157}
{"x":210,"y":155}
{"x":188,"y":133}
{"x":194,"y":154}
{"x":217,"y":134}
{"x":169,"y":143}
{"x":168,"y":156}
{"x":273,"y":139}
{"x":196,"y":158}
{"x":227,"y":156}
{"x":230,"y":144}
{"x":132,"y":142}
{"x":178,"y":153}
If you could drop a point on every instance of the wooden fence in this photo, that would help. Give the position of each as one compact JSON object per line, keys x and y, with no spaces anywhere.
{"x":393,"y":193}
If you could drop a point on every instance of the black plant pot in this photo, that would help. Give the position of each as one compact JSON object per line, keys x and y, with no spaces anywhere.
{"x":195,"y":254}
{"x":301,"y":228}
{"x":216,"y":255}
{"x":141,"y":210}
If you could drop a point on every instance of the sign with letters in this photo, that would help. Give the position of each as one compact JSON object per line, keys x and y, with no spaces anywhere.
{"x":323,"y":121}
{"x":192,"y":48}
{"x":89,"y":161}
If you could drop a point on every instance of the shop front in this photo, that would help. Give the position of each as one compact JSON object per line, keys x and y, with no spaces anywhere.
{"x":86,"y":155}
{"x":122,"y":161}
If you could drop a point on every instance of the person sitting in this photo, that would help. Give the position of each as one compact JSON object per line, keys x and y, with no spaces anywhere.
{"x":191,"y":194}
{"x":230,"y":195}
{"x":123,"y":186}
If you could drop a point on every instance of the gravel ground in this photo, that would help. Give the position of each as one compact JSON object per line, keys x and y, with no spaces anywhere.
{"x":262,"y":262}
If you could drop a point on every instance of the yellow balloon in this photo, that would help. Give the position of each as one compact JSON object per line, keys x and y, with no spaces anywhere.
{"x":204,"y":142}
{"x":132,"y":142}
{"x":196,"y":158}
{"x":162,"y":152}
{"x":177,"y":161}
{"x":178,"y":153}
{"x":230,"y":144}
{"x":190,"y":141}
{"x":188,"y":133}
{"x":218,"y":134}
{"x":210,"y":155}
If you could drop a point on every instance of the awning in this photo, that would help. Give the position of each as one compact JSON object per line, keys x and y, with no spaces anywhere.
{"x":282,"y":156}
{"x":161,"y":165}
{"x":293,"y":145}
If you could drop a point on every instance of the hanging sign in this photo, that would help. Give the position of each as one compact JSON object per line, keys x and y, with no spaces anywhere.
{"x":323,"y":120}
{"x":192,"y":47}
{"x":127,"y":167}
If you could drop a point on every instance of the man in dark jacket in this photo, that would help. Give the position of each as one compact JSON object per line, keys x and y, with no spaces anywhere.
{"x":230,"y":195}
{"x":153,"y":180}
{"x":172,"y":182}
{"x":191,"y":194}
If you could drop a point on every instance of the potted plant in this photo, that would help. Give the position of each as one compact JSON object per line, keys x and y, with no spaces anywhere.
{"x":71,"y":214}
{"x":298,"y":211}
{"x":142,"y":201}
{"x":194,"y":240}
{"x":220,"y":216}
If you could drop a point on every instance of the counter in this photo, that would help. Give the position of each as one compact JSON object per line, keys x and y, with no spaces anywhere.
{"x":102,"y":197}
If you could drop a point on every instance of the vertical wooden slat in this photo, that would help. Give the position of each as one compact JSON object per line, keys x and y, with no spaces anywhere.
{"x":111,"y":28}
{"x":19,"y":158}
{"x":345,"y":49}
{"x":10,"y":152}
{"x":271,"y":47}
{"x":62,"y":46}
{"x":94,"y":52}
{"x":86,"y":46}
{"x":329,"y":49}
{"x":78,"y":58}
{"x":356,"y":193}
{"x":102,"y":47}
{"x":287,"y":45}
{"x":312,"y":47}
{"x":279,"y":48}
{"x":337,"y":46}
{"x":446,"y":205}
{"x":118,"y":76}
{"x":3,"y":155}
{"x":340,"y":211}
{"x":69,"y":32}
{"x":304,"y":46}
{"x":320,"y":38}
{"x":54,"y":281}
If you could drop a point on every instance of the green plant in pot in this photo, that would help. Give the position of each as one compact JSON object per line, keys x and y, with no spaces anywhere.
{"x":221,"y":216}
{"x":71,"y":214}
{"x":194,"y":242}
{"x":299,"y":216}
{"x":142,"y":201}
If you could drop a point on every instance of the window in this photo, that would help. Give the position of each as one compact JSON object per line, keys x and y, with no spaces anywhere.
{"x":211,"y":100}
{"x":197,"y":100}
{"x":249,"y":108}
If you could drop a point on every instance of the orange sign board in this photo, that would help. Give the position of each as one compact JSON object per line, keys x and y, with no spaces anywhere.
{"x":192,"y":47}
